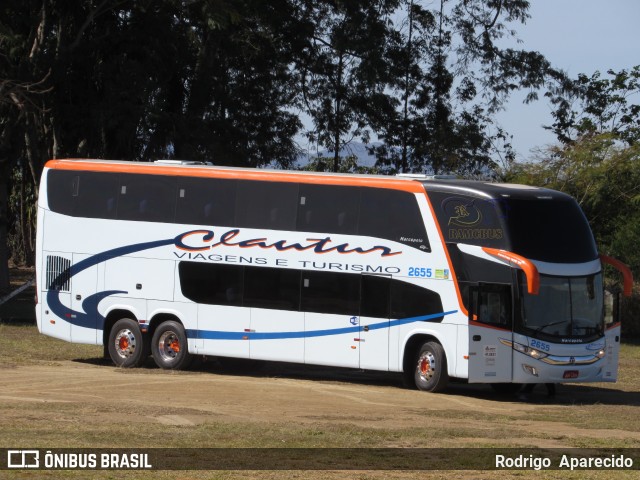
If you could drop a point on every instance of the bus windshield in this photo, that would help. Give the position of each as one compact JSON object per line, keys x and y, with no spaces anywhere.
{"x":566,"y":308}
{"x":551,"y":230}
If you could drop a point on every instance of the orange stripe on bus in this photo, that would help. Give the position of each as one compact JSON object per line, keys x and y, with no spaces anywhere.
{"x":530,"y":270}
{"x":446,"y":252}
{"x":624,"y":270}
{"x":239,"y":174}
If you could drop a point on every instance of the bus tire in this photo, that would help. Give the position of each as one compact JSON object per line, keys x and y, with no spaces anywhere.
{"x":169,"y":346}
{"x":430,"y":368}
{"x":127,"y":346}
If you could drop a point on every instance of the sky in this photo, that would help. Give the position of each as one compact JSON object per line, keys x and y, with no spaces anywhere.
{"x":577,"y":36}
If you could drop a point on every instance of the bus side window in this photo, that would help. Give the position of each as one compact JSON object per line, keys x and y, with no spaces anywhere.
{"x":212,"y":284}
{"x":148,"y":198}
{"x":394,"y":215}
{"x":60,"y":189}
{"x":274,"y":288}
{"x":97,"y":194}
{"x":328,"y":209}
{"x":206,"y":201}
{"x":326,"y":292}
{"x":492,"y":304}
{"x":82,"y":194}
{"x":409,"y":300}
{"x":375,"y":296}
{"x":269,"y":205}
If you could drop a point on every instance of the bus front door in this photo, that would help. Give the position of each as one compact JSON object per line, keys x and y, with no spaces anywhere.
{"x":490,"y":333}
{"x":374,"y":337}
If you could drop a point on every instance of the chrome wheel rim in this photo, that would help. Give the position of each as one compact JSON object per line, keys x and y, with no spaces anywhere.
{"x":169,"y":346}
{"x":125,"y":343}
{"x":426,"y":367}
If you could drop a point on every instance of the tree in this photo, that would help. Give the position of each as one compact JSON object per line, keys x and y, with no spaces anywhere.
{"x":139,"y":80}
{"x":452,"y":76}
{"x":341,"y":68}
{"x":592,"y":105}
{"x":230,"y":102}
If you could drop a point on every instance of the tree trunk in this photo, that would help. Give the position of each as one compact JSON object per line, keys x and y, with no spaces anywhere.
{"x":337,"y":117}
{"x":4,"y":221}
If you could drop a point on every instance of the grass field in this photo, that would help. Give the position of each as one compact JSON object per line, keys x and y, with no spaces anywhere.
{"x":60,"y":395}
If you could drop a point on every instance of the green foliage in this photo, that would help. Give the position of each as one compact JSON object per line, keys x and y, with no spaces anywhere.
{"x":341,"y":72}
{"x":590,"y":105}
{"x":348,"y":164}
{"x":448,"y":76}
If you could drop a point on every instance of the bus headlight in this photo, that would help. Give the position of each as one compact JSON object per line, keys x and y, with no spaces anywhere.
{"x":601,"y":354}
{"x":532,"y":352}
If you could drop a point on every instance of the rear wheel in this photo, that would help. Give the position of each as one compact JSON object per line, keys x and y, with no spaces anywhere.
{"x":430,"y":368}
{"x":127,"y":346}
{"x":169,"y":346}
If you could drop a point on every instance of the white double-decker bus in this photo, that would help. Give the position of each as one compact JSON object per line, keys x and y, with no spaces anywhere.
{"x":436,"y":278}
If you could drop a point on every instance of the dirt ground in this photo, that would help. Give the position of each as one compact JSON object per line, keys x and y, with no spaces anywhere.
{"x":87,"y":402}
{"x":260,"y":394}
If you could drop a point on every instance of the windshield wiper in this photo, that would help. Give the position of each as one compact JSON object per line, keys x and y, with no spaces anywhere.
{"x":542,"y":327}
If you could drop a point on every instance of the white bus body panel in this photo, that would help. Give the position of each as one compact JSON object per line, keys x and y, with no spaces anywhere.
{"x":148,"y":278}
{"x":221,"y":328}
{"x":84,"y":286}
{"x":338,"y":350}
{"x":273,"y":324}
{"x":490,"y":359}
{"x":52,"y":325}
{"x":374,"y":343}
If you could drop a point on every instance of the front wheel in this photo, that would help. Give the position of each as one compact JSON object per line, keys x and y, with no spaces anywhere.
{"x":169,"y":346}
{"x":430,"y":368}
{"x":127,"y":346}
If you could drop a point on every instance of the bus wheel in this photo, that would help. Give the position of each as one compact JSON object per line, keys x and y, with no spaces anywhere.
{"x":127,"y":346}
{"x":169,"y":346}
{"x":430,"y":374}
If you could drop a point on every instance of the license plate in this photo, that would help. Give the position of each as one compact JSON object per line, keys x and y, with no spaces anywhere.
{"x":570,"y":374}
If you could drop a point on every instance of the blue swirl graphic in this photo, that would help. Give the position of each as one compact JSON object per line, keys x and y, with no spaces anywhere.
{"x":90,"y":304}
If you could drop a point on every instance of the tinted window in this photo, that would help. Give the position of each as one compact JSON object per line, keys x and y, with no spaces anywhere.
{"x":394,"y":215}
{"x":270,"y":205}
{"x":272,"y":288}
{"x":492,"y":305}
{"x":471,"y":220}
{"x":97,"y":195}
{"x":206,"y":201}
{"x":149,"y":198}
{"x":211,"y":284}
{"x":83,"y":194}
{"x":551,"y":230}
{"x":327,"y":208}
{"x":408,"y":300}
{"x":375,"y":292}
{"x":324,"y":292}
{"x":60,"y":187}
